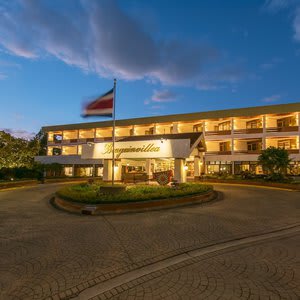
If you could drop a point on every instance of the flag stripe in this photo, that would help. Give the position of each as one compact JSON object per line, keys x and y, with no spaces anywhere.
{"x":102,"y":106}
{"x":98,"y":104}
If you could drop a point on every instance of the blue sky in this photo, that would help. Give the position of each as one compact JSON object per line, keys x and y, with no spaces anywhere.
{"x":168,"y":57}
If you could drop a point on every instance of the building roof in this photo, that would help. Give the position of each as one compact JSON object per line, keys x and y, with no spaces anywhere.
{"x":216,"y":114}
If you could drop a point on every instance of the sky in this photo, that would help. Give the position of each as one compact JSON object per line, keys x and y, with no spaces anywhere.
{"x":168,"y":57}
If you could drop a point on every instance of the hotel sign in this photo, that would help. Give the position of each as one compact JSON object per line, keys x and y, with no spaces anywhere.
{"x":172,"y":148}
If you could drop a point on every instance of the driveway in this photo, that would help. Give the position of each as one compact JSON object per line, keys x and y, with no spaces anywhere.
{"x":244,"y":246}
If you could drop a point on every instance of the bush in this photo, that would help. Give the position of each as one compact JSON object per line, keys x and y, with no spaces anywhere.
{"x":89,"y":193}
{"x":278,"y":177}
{"x":17,"y":173}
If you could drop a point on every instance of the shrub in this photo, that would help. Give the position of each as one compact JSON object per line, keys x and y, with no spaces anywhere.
{"x":89,"y":193}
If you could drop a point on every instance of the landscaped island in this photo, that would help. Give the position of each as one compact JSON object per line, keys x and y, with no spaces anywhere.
{"x":91,"y":193}
{"x":99,"y":198}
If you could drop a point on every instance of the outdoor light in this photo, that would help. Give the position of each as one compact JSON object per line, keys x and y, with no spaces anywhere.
{"x":185,"y":167}
{"x":90,"y":144}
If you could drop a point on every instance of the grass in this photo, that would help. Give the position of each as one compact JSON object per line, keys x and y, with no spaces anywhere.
{"x":89,"y":193}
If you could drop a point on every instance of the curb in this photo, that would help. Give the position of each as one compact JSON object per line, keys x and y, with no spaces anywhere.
{"x":275,"y":186}
{"x":132,"y":207}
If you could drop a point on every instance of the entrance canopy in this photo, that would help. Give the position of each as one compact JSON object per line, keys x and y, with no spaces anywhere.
{"x":178,"y":145}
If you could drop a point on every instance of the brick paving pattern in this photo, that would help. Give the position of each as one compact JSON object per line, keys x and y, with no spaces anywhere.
{"x":49,"y":254}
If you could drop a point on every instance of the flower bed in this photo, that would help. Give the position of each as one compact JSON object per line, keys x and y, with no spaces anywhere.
{"x":90,"y":193}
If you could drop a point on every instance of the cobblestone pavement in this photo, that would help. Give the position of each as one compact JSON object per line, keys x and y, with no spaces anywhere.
{"x":46,"y":253}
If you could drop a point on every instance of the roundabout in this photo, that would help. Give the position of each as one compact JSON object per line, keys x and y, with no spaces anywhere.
{"x":98,"y":198}
{"x":245,"y":246}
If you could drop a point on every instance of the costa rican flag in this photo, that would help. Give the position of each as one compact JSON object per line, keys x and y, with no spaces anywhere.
{"x":102,"y":106}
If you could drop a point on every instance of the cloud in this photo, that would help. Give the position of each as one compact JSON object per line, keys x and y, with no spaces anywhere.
{"x":97,"y":36}
{"x":222,"y":77}
{"x":163,"y":96}
{"x":157,"y":107}
{"x":276,"y":5}
{"x":2,"y":76}
{"x":271,"y":64}
{"x":273,"y":98}
{"x":19,"y":133}
{"x":296,"y":25}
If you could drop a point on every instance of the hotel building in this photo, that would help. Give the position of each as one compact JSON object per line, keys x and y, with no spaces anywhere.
{"x":222,"y":141}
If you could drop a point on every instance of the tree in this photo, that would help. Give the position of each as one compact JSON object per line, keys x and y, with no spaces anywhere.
{"x":16,"y":152}
{"x":275,"y":162}
{"x":41,"y":140}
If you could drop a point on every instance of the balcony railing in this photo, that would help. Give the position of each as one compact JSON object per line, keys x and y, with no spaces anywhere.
{"x":221,"y":132}
{"x":282,"y":129}
{"x":247,"y":151}
{"x":218,"y":152}
{"x":293,"y":151}
{"x":248,"y":130}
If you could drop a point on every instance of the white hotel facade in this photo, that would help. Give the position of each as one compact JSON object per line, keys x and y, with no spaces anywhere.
{"x":222,"y":141}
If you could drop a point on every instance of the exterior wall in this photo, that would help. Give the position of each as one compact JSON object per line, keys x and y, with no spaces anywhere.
{"x":70,"y":141}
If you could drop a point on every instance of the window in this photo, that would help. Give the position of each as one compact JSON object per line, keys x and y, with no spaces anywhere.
{"x":225,"y":146}
{"x":197,"y":128}
{"x":287,"y":144}
{"x":68,"y":171}
{"x":286,"y":122}
{"x":253,"y":146}
{"x":150,"y":131}
{"x":57,"y":137}
{"x":56,"y":151}
{"x":224,"y":126}
{"x":254,"y":124}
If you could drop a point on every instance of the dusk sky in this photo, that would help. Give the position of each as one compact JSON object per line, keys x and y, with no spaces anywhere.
{"x":168,"y":57}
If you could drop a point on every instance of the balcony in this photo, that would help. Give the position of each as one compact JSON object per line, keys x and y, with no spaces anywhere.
{"x":218,"y":153}
{"x":218,"y":132}
{"x":248,"y":131}
{"x":247,"y":152}
{"x":56,"y":142}
{"x":83,"y":141}
{"x":282,"y":129}
{"x":293,"y":151}
{"x":69,"y":141}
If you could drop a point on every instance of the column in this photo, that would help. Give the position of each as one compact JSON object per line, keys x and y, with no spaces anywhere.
{"x":132,"y":130}
{"x":232,"y":145}
{"x":175,"y":128}
{"x":299,"y":131}
{"x":148,"y":167}
{"x":118,"y":170}
{"x":202,"y":163}
{"x":107,"y":170}
{"x":263,"y":146}
{"x":197,"y":168}
{"x":154,"y":129}
{"x":179,"y":172}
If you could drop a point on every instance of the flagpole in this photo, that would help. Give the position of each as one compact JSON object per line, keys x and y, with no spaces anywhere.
{"x":113,"y":133}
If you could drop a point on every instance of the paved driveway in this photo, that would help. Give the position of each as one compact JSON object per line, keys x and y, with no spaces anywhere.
{"x":185,"y":253}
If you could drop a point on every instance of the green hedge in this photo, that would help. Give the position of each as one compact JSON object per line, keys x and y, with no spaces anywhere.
{"x":89,"y":193}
